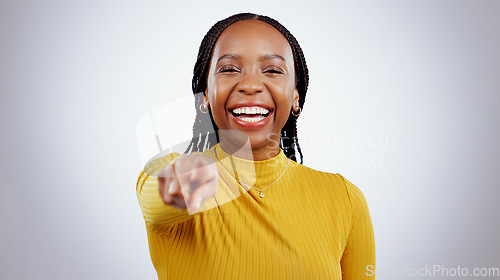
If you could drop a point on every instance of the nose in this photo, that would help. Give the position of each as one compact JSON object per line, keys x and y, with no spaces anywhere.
{"x":250,"y":83}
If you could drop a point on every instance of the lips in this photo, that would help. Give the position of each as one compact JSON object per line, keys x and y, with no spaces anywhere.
{"x":251,"y":116}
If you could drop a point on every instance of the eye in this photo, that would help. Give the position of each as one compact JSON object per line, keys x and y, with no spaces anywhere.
{"x":274,"y":70}
{"x":228,"y":69}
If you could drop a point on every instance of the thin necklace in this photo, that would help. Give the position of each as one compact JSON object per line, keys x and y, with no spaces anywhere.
{"x":261,"y":192}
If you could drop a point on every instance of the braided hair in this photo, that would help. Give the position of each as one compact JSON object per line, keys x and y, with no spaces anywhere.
{"x":202,"y":138}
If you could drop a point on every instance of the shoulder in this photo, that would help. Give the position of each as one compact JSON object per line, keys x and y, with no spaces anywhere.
{"x":357,"y":201}
{"x":351,"y":189}
{"x":325,"y":186}
{"x":334,"y":183}
{"x":331,"y":181}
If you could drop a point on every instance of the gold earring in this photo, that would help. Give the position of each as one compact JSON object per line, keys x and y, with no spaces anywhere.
{"x":299,"y":111}
{"x":203,"y":105}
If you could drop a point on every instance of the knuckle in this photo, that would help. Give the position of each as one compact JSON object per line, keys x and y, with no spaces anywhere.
{"x":167,"y":199}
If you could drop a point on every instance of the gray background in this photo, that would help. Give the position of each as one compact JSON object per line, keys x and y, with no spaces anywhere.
{"x":410,"y":87}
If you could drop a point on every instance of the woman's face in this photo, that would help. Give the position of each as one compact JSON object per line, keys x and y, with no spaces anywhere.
{"x":251,"y":84}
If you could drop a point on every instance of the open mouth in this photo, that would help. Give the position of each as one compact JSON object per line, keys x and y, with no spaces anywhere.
{"x":250,"y":114}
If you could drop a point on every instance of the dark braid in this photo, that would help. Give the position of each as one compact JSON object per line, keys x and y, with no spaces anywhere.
{"x":202,"y":138}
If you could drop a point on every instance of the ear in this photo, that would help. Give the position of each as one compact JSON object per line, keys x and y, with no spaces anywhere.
{"x":295,"y":104}
{"x":205,"y":98}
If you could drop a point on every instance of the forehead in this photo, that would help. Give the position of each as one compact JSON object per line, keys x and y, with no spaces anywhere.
{"x":252,"y":36}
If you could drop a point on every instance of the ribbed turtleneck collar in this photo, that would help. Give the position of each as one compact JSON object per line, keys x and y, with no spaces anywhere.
{"x":255,"y":173}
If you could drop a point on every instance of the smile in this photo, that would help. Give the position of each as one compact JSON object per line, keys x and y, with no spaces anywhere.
{"x":251,"y":116}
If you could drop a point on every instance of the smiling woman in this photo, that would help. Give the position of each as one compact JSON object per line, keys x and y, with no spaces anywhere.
{"x":252,"y":71}
{"x":237,"y":205}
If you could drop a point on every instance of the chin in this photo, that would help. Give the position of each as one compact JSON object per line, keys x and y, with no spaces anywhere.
{"x":263,"y":140}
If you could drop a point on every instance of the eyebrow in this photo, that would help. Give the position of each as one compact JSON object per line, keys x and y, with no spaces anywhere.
{"x":229,"y":56}
{"x":272,"y":56}
{"x":262,"y":57}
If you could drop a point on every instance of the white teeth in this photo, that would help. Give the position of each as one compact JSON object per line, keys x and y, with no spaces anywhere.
{"x":256,"y":110}
{"x":255,"y":119}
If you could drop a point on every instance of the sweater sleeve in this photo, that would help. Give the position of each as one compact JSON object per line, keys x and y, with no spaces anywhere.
{"x":358,"y":260}
{"x":154,"y":210}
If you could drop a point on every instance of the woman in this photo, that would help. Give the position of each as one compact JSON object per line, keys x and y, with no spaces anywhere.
{"x":237,"y":205}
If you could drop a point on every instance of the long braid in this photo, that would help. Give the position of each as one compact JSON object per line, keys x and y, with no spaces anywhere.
{"x":202,"y":137}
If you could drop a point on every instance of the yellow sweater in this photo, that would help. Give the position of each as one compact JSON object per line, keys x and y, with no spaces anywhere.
{"x":309,"y":225}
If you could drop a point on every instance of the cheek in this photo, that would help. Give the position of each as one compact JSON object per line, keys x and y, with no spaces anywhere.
{"x":218,"y":94}
{"x":283,"y":96}
{"x":283,"y":102}
{"x":212,"y":91}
